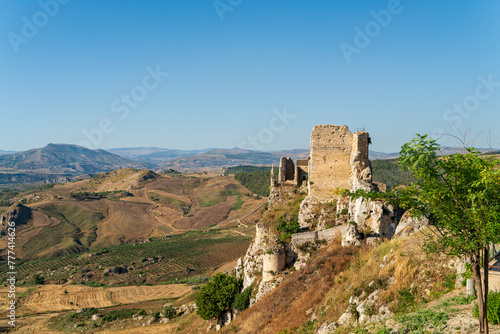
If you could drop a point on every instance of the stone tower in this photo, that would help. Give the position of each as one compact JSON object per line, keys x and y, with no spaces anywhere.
{"x":339,"y":159}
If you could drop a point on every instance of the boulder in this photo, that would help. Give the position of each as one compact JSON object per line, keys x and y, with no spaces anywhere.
{"x":409,"y":225}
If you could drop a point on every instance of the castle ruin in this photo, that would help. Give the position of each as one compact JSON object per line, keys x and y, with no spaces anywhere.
{"x":338,"y":160}
{"x":291,"y":173}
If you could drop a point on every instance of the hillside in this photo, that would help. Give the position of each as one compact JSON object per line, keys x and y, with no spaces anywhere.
{"x":122,"y":206}
{"x":389,"y":172}
{"x":393,"y":285}
{"x":65,"y":159}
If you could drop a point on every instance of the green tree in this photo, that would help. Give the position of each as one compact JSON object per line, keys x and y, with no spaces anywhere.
{"x":242,"y":301}
{"x":459,"y":195}
{"x":217,"y":296}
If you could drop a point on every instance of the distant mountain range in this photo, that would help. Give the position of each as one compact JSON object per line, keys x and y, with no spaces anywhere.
{"x":59,"y":163}
{"x":219,"y":158}
{"x":153,"y":155}
{"x":6,"y":152}
{"x":62,"y":162}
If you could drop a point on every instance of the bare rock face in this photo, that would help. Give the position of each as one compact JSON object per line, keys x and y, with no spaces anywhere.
{"x":409,"y":225}
{"x":326,"y":328}
{"x":264,"y":289}
{"x":374,"y":217}
{"x":249,"y":267}
{"x":306,"y":214}
{"x":273,"y":195}
{"x":350,"y":235}
{"x":359,"y":162}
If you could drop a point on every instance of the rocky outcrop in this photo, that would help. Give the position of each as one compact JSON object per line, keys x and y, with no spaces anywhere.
{"x":362,"y":310}
{"x":18,"y":213}
{"x":409,"y":225}
{"x":306,"y":213}
{"x":250,"y":266}
{"x":373,"y":217}
{"x":359,"y":162}
{"x":224,"y":319}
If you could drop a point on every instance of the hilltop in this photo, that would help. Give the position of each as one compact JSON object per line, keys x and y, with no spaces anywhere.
{"x":59,"y":163}
{"x":66,"y":159}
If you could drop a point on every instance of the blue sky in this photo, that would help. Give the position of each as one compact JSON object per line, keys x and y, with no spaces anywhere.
{"x":394,"y":68}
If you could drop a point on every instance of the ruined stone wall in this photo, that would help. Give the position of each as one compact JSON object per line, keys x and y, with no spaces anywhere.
{"x":287,"y":170}
{"x":301,"y":171}
{"x":339,"y":159}
{"x":329,"y":166}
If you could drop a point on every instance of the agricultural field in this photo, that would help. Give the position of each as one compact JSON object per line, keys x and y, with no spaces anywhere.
{"x":143,"y":275}
{"x":157,"y":260}
{"x":125,"y":206}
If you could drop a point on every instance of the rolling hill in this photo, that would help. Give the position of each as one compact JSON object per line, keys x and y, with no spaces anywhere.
{"x":121,"y":206}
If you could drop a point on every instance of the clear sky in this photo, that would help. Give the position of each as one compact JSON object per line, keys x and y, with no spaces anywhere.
{"x":260,"y":74}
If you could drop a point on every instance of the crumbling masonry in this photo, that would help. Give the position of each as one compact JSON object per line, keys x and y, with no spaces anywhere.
{"x":338,"y":160}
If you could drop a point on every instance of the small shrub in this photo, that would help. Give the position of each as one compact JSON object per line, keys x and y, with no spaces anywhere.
{"x":242,"y":301}
{"x":118,"y":315}
{"x":383,"y":330}
{"x":417,"y":322}
{"x":344,"y":211}
{"x":169,"y":312}
{"x":91,"y":311}
{"x":370,"y":309}
{"x":449,"y":282}
{"x":493,"y":308}
{"x":37,"y":279}
{"x":407,"y":299}
{"x":284,"y":331}
{"x":93,"y":284}
{"x":354,"y":312}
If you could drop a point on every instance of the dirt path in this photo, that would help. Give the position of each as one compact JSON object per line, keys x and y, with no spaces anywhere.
{"x":171,"y":195}
{"x":241,"y":233}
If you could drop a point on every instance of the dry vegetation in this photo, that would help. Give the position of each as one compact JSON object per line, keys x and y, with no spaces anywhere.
{"x":287,"y":305}
{"x":336,"y":273}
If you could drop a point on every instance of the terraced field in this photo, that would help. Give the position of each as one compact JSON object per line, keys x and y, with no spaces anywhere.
{"x":161,"y":258}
